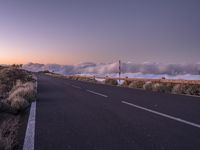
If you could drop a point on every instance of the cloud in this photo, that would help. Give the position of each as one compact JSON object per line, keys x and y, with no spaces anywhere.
{"x":146,"y":70}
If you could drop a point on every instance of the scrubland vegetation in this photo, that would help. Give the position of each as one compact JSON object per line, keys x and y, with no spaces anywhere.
{"x":82,"y":78}
{"x":17,"y":91}
{"x":111,"y":82}
{"x":189,"y":87}
{"x":165,"y":86}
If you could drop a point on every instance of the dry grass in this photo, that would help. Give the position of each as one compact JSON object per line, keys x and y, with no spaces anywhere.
{"x":158,"y":87}
{"x":148,"y":86}
{"x":82,"y":78}
{"x":186,"y":89}
{"x":8,"y":133}
{"x":190,"y":87}
{"x":136,"y":84}
{"x":17,"y":90}
{"x":111,"y":81}
{"x":126,"y":83}
{"x":53,"y":74}
{"x":22,"y":95}
{"x":16,"y":86}
{"x":9,"y":76}
{"x":19,"y":103}
{"x":179,"y":89}
{"x":161,"y":80}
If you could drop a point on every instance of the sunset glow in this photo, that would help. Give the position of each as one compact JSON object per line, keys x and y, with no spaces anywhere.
{"x":68,"y":32}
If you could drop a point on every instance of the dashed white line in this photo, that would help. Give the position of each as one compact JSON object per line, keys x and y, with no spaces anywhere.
{"x":30,"y":130}
{"x":76,"y":86}
{"x":96,"y":93}
{"x":163,"y":115}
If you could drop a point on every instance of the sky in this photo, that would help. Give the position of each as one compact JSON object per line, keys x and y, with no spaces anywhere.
{"x":72,"y":31}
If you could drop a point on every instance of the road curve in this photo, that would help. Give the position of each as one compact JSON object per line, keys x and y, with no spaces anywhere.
{"x":77,"y":115}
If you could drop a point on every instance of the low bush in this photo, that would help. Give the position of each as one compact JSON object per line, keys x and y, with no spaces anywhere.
{"x":186,"y":89}
{"x":148,"y":86}
{"x":21,"y":95}
{"x":111,"y":82}
{"x":9,"y":76}
{"x":92,"y":80}
{"x":158,"y":87}
{"x":8,"y":133}
{"x":126,"y":83}
{"x":27,"y":91}
{"x":169,"y":87}
{"x":179,"y":89}
{"x":136,"y":84}
{"x":193,"y":90}
{"x":3,"y":90}
{"x":17,"y":90}
{"x":19,"y":103}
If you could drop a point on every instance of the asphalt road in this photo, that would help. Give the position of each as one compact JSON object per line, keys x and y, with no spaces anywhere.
{"x":77,"y":115}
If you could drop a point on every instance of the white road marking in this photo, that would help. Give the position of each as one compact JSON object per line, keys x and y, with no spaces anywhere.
{"x":196,"y":96}
{"x":76,"y":86}
{"x":30,"y":130}
{"x":163,"y":115}
{"x":96,"y":93}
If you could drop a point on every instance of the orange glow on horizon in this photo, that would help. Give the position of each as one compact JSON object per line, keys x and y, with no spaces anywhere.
{"x":44,"y":57}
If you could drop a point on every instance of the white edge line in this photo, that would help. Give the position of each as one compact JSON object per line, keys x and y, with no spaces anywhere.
{"x":163,"y":115}
{"x":30,"y":130}
{"x":97,"y":93}
{"x":195,"y":96}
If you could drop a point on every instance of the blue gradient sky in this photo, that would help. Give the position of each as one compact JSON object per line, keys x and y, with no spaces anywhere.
{"x":70,"y":31}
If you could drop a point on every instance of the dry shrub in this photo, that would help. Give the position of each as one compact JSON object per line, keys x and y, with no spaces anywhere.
{"x":92,"y":80}
{"x":126,"y":83}
{"x":19,"y":103}
{"x":186,"y":89}
{"x":136,"y":84}
{"x":27,"y":91}
{"x":193,"y":89}
{"x":73,"y":78}
{"x":111,"y":82}
{"x":82,"y":78}
{"x":70,"y":77}
{"x":190,"y":89}
{"x":21,"y":95}
{"x":3,"y":90}
{"x":8,"y":133}
{"x":179,"y":89}
{"x":158,"y":87}
{"x":5,"y":107}
{"x":169,"y":87}
{"x":148,"y":86}
{"x":9,"y":76}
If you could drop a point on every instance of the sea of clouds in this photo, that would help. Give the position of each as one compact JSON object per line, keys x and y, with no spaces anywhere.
{"x":129,"y":69}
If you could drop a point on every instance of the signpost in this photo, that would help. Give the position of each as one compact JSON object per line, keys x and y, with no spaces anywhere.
{"x":119,"y":69}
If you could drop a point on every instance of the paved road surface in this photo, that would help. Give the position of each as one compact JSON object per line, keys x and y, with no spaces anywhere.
{"x":76,"y":115}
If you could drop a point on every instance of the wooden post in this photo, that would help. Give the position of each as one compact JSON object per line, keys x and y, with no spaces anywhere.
{"x":119,"y":69}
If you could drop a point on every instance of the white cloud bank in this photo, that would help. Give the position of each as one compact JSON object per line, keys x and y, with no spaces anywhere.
{"x":136,"y":70}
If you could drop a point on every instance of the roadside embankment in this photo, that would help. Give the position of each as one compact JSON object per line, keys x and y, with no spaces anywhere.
{"x":188,"y":87}
{"x":18,"y":88}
